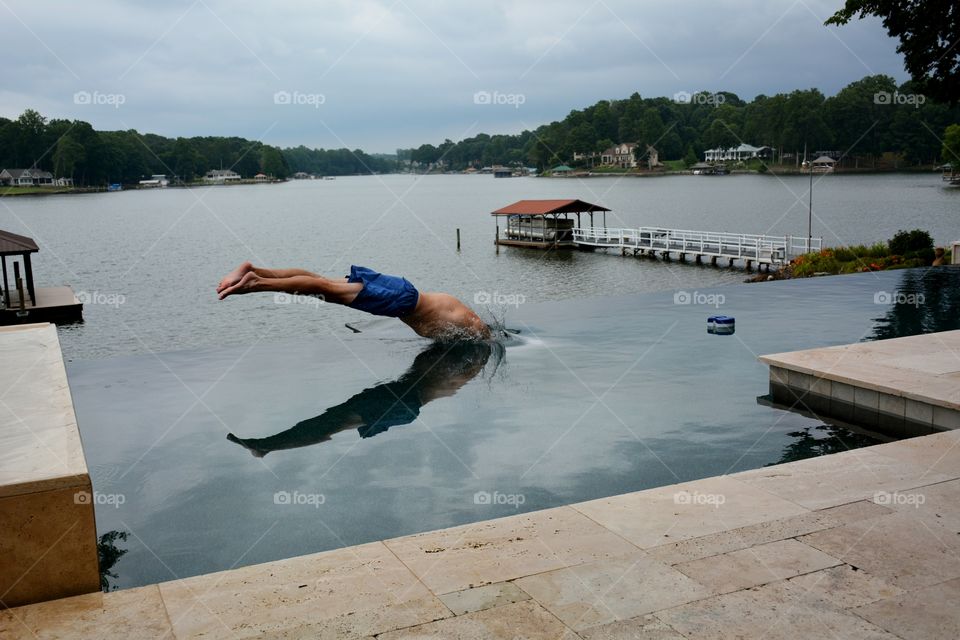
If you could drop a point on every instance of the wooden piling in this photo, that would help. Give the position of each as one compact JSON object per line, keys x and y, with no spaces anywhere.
{"x":458,"y":238}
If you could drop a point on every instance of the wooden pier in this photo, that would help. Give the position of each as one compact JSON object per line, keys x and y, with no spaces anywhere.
{"x":747,"y":248}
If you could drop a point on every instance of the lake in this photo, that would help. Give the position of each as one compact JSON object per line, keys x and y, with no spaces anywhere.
{"x":149,"y":260}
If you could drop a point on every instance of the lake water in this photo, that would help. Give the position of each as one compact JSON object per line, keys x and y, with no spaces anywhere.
{"x":228,"y":433}
{"x":149,"y":260}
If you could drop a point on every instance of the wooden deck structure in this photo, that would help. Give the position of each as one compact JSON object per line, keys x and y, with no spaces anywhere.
{"x":23,"y":302}
{"x":543,"y":224}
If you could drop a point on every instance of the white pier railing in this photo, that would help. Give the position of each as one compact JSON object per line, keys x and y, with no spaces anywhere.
{"x":734,"y":246}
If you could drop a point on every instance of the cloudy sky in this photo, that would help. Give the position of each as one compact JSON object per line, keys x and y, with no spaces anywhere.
{"x":382,"y":74}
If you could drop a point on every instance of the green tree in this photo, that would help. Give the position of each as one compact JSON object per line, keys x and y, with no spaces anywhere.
{"x":929,"y":33}
{"x":951,"y":145}
{"x":66,"y":156}
{"x":272,"y":162}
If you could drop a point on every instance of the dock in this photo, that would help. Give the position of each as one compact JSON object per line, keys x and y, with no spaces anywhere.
{"x":53,"y":304}
{"x":747,"y":248}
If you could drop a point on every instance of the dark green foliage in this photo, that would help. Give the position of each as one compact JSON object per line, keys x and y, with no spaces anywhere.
{"x":907,"y":242}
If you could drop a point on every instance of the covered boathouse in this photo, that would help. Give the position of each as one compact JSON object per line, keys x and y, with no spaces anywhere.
{"x":543,"y":224}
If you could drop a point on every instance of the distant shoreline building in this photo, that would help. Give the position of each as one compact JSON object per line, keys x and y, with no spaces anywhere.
{"x":221,"y":176}
{"x":737,"y":154}
{"x":25,"y":177}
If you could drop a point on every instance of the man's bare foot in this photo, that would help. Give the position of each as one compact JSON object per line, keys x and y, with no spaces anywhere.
{"x":248,"y":283}
{"x":234,"y":276}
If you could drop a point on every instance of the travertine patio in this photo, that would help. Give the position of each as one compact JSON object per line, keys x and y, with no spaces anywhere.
{"x":862,"y":544}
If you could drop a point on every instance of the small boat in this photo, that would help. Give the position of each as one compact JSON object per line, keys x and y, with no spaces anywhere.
{"x":116,"y":186}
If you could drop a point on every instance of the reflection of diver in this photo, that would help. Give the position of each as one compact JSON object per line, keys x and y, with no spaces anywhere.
{"x":437,"y":372}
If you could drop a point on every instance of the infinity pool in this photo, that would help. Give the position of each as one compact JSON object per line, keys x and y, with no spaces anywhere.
{"x":209,"y":459}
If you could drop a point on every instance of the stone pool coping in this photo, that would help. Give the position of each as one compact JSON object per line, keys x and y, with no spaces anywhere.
{"x":862,"y":543}
{"x":48,"y":540}
{"x":901,"y":386}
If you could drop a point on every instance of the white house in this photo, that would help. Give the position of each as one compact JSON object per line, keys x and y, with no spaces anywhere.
{"x":220,"y":176}
{"x":742,"y":152}
{"x":25,"y":177}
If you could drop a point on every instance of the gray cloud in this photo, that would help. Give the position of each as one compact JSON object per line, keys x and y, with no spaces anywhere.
{"x":382,"y":74}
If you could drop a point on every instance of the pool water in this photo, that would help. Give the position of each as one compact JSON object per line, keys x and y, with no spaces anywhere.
{"x":208,"y":459}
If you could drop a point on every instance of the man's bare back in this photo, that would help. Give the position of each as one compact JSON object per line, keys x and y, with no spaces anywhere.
{"x":438,"y":316}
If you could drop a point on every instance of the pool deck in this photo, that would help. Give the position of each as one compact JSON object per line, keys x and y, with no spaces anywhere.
{"x":903,"y":386}
{"x":860,"y":544}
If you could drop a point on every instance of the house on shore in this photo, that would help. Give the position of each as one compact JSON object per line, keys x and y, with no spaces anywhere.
{"x":621,"y":155}
{"x":26,"y":178}
{"x":737,"y":154}
{"x":221,"y":176}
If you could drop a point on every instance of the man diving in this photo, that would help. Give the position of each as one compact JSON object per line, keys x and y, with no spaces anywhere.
{"x":438,"y":316}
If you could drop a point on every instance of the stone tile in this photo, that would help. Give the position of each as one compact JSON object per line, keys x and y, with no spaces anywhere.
{"x":362,"y":590}
{"x":921,"y":412}
{"x":480,"y":598}
{"x":832,"y":480}
{"x":609,"y":590}
{"x":48,"y":546}
{"x":938,"y":503}
{"x":842,"y":392}
{"x":944,"y":418}
{"x":763,"y":612}
{"x":779,"y":375}
{"x":843,"y":587}
{"x":821,"y":386}
{"x":764,"y":532}
{"x":891,"y":405}
{"x":640,"y":628}
{"x":900,"y":548}
{"x":866,"y":398}
{"x":526,"y":620}
{"x":40,"y":446}
{"x":131,"y":613}
{"x":757,"y":565}
{"x":504,"y":549}
{"x":689,"y":510}
{"x":926,"y":613}
{"x":799,"y":381}
{"x":938,"y":453}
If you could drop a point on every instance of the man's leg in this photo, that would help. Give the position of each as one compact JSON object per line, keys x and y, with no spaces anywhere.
{"x":334,"y":291}
{"x":235,"y":276}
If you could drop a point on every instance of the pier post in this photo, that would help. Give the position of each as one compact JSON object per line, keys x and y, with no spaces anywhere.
{"x":458,"y":238}
{"x":730,"y":263}
{"x":496,"y":239}
{"x":749,"y":265}
{"x":698,"y":259}
{"x":683,"y":257}
{"x":666,"y":256}
{"x":713,"y":261}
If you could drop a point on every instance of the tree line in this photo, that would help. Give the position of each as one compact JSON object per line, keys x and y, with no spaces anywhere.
{"x":74,"y":149}
{"x":864,"y":120}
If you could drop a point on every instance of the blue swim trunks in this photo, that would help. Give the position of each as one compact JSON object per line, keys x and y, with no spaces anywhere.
{"x":383,"y":295}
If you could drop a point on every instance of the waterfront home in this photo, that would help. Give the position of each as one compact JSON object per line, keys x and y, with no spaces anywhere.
{"x":260,"y":177}
{"x":221,"y":176}
{"x":620,"y":155}
{"x":25,"y":177}
{"x":302,"y":175}
{"x":737,"y":154}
